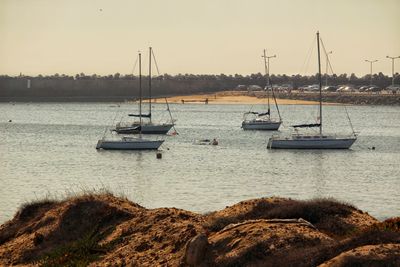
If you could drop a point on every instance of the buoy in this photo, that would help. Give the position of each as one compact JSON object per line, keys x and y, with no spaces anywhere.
{"x":373,"y":148}
{"x":159,"y":155}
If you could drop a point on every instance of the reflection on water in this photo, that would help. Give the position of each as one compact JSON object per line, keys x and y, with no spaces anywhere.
{"x":49,"y":148}
{"x":318,"y":173}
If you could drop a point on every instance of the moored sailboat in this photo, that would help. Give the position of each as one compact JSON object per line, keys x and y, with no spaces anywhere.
{"x":127,"y":142}
{"x":263,"y":120}
{"x":316,"y":141}
{"x":147,"y":127}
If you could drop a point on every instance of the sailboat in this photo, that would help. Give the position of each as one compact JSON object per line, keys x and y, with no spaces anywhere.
{"x":147,"y":127}
{"x":127,"y":142}
{"x":263,"y":120}
{"x":317,"y":141}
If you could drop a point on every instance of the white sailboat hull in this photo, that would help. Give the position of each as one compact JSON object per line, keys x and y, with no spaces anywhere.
{"x":147,"y":128}
{"x":261,"y":125}
{"x":311,"y":142}
{"x":129,"y":144}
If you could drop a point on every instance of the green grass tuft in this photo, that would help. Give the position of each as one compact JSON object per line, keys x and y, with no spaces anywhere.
{"x":77,"y":253}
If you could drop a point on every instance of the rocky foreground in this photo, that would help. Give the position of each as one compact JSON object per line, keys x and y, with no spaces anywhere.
{"x":104,"y":230}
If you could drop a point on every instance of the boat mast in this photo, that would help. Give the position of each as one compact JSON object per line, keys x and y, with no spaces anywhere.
{"x":320,"y":87}
{"x":276,"y":105}
{"x":140,"y":90}
{"x":150,"y":83}
{"x":267,"y":75}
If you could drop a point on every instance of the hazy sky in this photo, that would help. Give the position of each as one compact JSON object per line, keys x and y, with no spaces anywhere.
{"x":200,"y":37}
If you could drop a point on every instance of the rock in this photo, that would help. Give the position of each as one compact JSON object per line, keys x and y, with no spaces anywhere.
{"x":196,"y":249}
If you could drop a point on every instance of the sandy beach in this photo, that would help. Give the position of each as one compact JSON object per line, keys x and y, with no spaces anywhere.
{"x":230,"y":97}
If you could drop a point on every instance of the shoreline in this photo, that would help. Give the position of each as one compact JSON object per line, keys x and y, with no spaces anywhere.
{"x":223,"y":97}
{"x":295,"y":98}
{"x":232,"y":97}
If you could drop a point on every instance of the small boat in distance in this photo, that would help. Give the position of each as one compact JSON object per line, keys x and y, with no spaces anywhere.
{"x":213,"y":142}
{"x":148,"y":127}
{"x":263,"y":120}
{"x":131,"y":143}
{"x":316,"y":141}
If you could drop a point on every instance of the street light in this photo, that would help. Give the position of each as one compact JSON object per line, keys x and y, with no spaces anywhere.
{"x":393,"y":58}
{"x":371,"y":61}
{"x":327,"y":61}
{"x":266,"y":64}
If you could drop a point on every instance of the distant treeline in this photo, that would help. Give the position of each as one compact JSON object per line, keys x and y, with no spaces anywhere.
{"x":120,"y":87}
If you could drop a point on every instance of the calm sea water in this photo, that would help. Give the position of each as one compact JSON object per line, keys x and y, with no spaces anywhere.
{"x":49,"y":150}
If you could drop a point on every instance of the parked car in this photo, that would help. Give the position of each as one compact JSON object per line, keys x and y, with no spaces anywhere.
{"x":329,"y":88}
{"x":373,"y":88}
{"x":393,"y":88}
{"x":313,"y":87}
{"x":363,"y":88}
{"x":346,"y":89}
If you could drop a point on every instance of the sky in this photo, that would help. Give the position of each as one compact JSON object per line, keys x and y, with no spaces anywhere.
{"x":198,"y":37}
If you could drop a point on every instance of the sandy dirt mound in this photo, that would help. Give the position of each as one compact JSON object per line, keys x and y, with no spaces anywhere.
{"x":39,"y":228}
{"x":104,"y":230}
{"x":263,"y":242}
{"x":327,"y":215}
{"x":96,"y":228}
{"x":153,"y":238}
{"x":370,"y":255}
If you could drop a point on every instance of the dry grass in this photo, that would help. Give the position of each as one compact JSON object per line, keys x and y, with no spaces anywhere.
{"x":79,"y":252}
{"x":77,"y":224}
{"x":34,"y":208}
{"x":29,"y":211}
